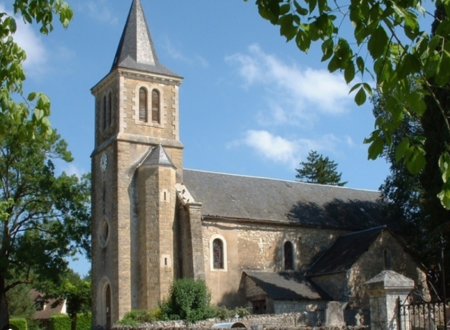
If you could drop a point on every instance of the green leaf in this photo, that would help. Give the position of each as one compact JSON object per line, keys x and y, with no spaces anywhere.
{"x":349,"y":72}
{"x":360,"y":64}
{"x":376,"y":148}
{"x":287,"y":27}
{"x":312,"y":5}
{"x":31,"y":96}
{"x":416,"y":162}
{"x":303,"y":41}
{"x":302,"y":11}
{"x":443,"y":73}
{"x":360,"y":97}
{"x":411,"y":26}
{"x":416,"y":102}
{"x":327,"y":49}
{"x":284,"y":9}
{"x":377,"y":43}
{"x":400,"y":152}
{"x":12,"y":24}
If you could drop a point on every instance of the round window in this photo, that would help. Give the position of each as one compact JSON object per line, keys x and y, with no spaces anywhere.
{"x":103,"y":232}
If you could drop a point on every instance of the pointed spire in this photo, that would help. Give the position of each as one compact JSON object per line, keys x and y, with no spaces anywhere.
{"x":136,"y":49}
{"x":158,"y":157}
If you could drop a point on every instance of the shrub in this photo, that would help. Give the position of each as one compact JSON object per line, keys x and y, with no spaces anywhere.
{"x":136,"y":317}
{"x":188,"y":300}
{"x":60,"y":322}
{"x":19,"y":322}
{"x":223,"y":313}
{"x":84,"y":321}
{"x":241,"y":311}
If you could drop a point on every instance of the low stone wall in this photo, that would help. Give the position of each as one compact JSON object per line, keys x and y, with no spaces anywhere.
{"x":269,"y":322}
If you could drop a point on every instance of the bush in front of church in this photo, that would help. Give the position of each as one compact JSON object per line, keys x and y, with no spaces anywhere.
{"x":135,"y":317}
{"x":188,"y":300}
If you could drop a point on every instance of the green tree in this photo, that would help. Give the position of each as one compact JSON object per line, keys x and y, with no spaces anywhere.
{"x":12,"y":74}
{"x":401,"y":190}
{"x":388,"y":45}
{"x":188,"y":300}
{"x":20,"y":303}
{"x":76,"y":291}
{"x":45,"y":217}
{"x":319,"y":169}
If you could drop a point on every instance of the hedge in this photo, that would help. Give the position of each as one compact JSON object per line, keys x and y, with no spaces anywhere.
{"x":84,"y":321}
{"x":19,"y":322}
{"x":60,"y":322}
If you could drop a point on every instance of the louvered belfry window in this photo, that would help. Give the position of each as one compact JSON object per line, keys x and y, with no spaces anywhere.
{"x":156,"y":114}
{"x":143,"y":104}
{"x":109,"y":109}
{"x":104,"y":113}
{"x":217,"y":254}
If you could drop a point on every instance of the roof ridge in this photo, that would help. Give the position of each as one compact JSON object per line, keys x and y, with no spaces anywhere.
{"x":281,"y":180}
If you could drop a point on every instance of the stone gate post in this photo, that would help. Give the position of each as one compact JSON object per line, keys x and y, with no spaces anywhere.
{"x":383,"y":290}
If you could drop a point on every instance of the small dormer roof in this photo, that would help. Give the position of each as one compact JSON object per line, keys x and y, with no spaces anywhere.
{"x":158,"y":157}
{"x":136,"y":50}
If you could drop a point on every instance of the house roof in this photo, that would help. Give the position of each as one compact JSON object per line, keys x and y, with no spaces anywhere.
{"x":136,"y":49}
{"x":287,"y":286}
{"x":345,"y":251}
{"x":286,"y":202}
{"x":48,"y":309}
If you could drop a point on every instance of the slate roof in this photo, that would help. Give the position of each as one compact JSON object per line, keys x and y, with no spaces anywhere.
{"x":345,"y":251}
{"x":287,"y":202}
{"x":287,"y":286}
{"x":136,"y":49}
{"x":159,"y":157}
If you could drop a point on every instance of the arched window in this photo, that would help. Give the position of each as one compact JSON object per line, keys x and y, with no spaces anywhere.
{"x":217,"y":254}
{"x":288,"y":256}
{"x":387,"y":259}
{"x":156,"y":114}
{"x":109,"y":109}
{"x":108,"y":307}
{"x":104,"y":113}
{"x":142,"y":104}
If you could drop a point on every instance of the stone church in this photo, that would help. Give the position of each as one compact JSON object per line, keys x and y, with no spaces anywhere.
{"x":270,"y":245}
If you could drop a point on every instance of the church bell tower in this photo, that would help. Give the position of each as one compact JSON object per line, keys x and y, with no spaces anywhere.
{"x":136,"y":163}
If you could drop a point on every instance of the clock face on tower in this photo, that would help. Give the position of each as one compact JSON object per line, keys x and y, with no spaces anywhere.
{"x":103,"y":162}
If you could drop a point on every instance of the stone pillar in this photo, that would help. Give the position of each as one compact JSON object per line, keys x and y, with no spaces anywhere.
{"x":384,"y":289}
{"x":198,"y":261}
{"x":335,"y":314}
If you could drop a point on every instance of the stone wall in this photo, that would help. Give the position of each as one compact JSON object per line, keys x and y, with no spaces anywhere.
{"x":287,"y":306}
{"x":257,"y":247}
{"x":372,"y":262}
{"x":281,"y":321}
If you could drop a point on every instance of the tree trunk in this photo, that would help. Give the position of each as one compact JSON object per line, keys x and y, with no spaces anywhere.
{"x":74,"y":322}
{"x":4,"y":315}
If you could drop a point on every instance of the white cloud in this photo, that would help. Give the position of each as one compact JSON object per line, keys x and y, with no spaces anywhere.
{"x":100,"y":11}
{"x":31,"y":42}
{"x":294,"y":95}
{"x":176,"y":54}
{"x":69,"y":168}
{"x":284,"y":151}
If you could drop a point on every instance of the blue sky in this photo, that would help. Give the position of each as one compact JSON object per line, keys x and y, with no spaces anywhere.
{"x":250,"y":103}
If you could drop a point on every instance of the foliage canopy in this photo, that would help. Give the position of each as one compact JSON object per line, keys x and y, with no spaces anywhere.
{"x":388,"y":45}
{"x":12,"y":74}
{"x":45,"y":217}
